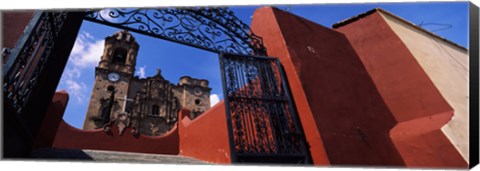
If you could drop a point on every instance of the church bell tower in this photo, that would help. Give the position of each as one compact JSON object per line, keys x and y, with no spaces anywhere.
{"x":112,"y":79}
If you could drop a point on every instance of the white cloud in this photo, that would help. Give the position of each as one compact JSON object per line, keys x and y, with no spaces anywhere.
{"x":86,"y":51}
{"x":75,"y":88}
{"x":214,"y":99}
{"x":88,"y":35}
{"x":72,"y":73}
{"x":86,"y":54}
{"x":141,"y":71}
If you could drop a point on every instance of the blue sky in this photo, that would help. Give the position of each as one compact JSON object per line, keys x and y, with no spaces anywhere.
{"x":177,"y":60}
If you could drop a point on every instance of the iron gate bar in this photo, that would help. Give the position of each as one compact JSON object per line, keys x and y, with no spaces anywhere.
{"x":235,"y":25}
{"x":299,"y":132}
{"x":31,"y":73}
{"x":268,"y":159}
{"x":233,"y":154}
{"x":261,"y":118}
{"x":32,"y":50}
{"x":218,"y":22}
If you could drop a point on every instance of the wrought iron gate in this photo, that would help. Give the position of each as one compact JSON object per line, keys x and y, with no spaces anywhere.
{"x":262,"y":121}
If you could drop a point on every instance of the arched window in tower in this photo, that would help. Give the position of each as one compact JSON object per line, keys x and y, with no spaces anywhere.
{"x":119,"y":56}
{"x":155,"y":110}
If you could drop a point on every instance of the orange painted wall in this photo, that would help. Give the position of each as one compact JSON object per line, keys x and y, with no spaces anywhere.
{"x":334,"y":94}
{"x":417,"y":106}
{"x":205,"y":137}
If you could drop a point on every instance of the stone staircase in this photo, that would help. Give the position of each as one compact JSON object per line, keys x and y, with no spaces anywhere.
{"x":111,"y":156}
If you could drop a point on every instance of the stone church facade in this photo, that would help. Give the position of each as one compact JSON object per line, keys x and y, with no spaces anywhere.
{"x":151,"y":104}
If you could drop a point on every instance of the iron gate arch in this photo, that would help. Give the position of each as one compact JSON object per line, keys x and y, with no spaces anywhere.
{"x":212,"y":29}
{"x":49,"y":37}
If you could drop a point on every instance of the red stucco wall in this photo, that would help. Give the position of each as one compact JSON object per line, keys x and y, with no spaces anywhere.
{"x":52,"y":120}
{"x":206,"y":137}
{"x":334,"y":93}
{"x":73,"y":138}
{"x":13,"y":24}
{"x":401,"y":81}
{"x":417,"y":106}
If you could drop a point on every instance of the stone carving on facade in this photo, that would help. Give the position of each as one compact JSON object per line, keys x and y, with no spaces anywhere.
{"x":148,"y":105}
{"x":122,"y":121}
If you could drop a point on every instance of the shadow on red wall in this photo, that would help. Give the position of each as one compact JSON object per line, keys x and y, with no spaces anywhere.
{"x":338,"y":104}
{"x":419,"y":109}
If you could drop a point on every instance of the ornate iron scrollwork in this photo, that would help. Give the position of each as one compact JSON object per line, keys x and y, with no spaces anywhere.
{"x":263,"y":120}
{"x":212,"y":29}
{"x":25,"y":62}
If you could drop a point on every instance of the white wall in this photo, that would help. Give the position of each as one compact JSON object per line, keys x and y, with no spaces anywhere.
{"x":447,"y":67}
